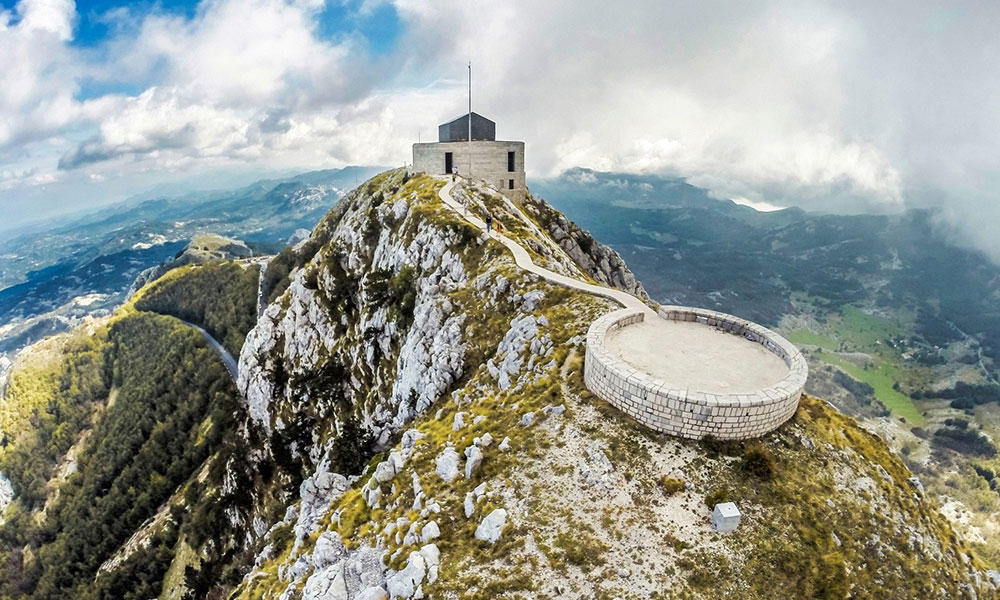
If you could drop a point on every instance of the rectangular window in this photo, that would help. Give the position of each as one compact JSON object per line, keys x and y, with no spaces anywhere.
{"x":510,"y":184}
{"x":510,"y":162}
{"x":447,"y":163}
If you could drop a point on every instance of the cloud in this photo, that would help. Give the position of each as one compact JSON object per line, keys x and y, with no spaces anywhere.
{"x":845,"y":108}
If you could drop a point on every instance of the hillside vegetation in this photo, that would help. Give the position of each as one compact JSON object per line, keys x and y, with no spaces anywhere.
{"x":411,"y":418}
{"x":220,"y":297}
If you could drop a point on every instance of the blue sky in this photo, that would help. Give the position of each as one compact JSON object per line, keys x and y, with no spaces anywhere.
{"x":380,"y":26}
{"x":845,"y":107}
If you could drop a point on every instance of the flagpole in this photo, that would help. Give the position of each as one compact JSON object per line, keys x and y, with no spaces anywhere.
{"x":470,"y":118}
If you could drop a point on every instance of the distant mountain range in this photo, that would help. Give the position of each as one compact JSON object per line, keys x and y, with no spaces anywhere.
{"x":689,"y":248}
{"x":51,"y":279}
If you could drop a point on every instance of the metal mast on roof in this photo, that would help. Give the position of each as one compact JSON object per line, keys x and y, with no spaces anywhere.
{"x":470,"y":118}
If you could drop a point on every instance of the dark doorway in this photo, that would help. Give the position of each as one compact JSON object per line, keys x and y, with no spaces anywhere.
{"x":510,"y":184}
{"x":447,"y":163}
{"x":510,"y":162}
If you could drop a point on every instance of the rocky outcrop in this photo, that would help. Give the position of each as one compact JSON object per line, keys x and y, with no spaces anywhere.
{"x":369,"y":313}
{"x":599,"y":261}
{"x":5,"y":367}
{"x":6,"y":495}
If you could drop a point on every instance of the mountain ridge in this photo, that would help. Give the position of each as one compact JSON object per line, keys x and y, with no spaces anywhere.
{"x":414,"y":421}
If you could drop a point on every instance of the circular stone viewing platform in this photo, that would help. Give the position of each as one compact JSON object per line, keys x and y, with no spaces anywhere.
{"x":695,"y":372}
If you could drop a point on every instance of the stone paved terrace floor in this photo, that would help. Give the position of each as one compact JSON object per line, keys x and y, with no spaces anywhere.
{"x":696,"y":357}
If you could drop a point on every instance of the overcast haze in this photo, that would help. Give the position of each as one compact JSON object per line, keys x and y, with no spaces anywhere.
{"x":846,"y":107}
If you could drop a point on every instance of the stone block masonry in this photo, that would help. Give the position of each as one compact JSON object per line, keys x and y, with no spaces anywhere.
{"x":490,"y":162}
{"x":692,"y":413}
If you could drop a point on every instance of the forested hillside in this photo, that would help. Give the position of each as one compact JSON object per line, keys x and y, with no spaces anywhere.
{"x":220,"y":297}
{"x":169,"y":401}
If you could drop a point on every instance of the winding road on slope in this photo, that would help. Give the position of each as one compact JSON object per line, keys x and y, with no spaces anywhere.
{"x":523,"y":260}
{"x":231,"y":364}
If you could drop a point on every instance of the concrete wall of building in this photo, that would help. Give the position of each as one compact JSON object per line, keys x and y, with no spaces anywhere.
{"x":489,"y":163}
{"x":688,"y":413}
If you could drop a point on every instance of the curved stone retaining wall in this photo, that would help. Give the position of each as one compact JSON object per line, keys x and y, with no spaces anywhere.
{"x":688,"y":413}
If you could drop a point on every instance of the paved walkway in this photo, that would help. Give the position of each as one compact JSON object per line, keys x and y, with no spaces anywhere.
{"x":523,"y":260}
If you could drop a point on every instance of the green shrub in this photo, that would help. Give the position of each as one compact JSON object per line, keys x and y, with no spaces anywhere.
{"x":714,"y":447}
{"x":718,"y":496}
{"x":758,"y":461}
{"x":581,"y":548}
{"x":671,"y":486}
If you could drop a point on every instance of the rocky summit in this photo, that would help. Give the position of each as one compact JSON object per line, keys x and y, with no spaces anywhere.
{"x":409,"y":420}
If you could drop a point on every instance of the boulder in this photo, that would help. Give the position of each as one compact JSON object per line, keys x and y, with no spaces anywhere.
{"x":374,"y":593}
{"x":329,"y":550}
{"x":492,"y":526}
{"x":473,"y":458}
{"x":430,"y":531}
{"x":384,"y":471}
{"x":554,"y":411}
{"x":404,"y":584}
{"x":446,"y":464}
{"x":326,"y":584}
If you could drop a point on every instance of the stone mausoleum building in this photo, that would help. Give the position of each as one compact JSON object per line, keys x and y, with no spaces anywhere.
{"x":497,"y":162}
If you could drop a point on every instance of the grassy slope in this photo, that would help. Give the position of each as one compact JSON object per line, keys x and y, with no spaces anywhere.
{"x":855,"y":331}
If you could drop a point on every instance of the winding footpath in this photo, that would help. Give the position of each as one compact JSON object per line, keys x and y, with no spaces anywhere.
{"x":523,"y":260}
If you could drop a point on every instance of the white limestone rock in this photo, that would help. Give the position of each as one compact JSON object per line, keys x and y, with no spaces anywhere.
{"x":492,"y":526}
{"x":404,"y":584}
{"x":527,"y":419}
{"x":328,"y":551}
{"x":596,"y":469}
{"x":530,"y":300}
{"x":473,"y":458}
{"x":6,"y":493}
{"x":446,"y":464}
{"x":410,"y":439}
{"x":432,"y":558}
{"x":430,"y":532}
{"x":504,"y":445}
{"x":411,"y":536}
{"x":326,"y":584}
{"x":373,"y":593}
{"x":317,"y":493}
{"x":372,"y":495}
{"x":554,"y":411}
{"x":522,"y":331}
{"x":459,"y":421}
{"x":384,"y":471}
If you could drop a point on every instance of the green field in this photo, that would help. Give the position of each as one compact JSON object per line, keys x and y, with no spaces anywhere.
{"x":881,"y":379}
{"x":802,"y":337}
{"x":860,"y":331}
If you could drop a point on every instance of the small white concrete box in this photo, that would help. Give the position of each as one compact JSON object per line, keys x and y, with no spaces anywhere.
{"x":725,"y":517}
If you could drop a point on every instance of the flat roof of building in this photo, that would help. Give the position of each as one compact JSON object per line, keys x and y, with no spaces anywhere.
{"x":696,"y":357}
